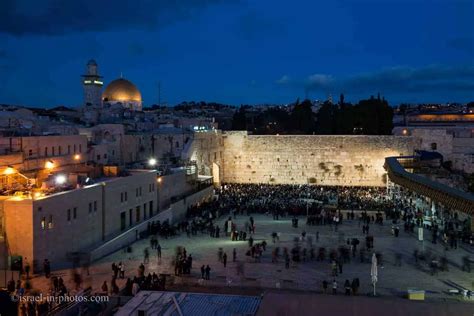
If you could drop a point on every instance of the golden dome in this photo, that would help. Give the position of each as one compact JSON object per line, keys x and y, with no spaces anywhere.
{"x":121,"y":90}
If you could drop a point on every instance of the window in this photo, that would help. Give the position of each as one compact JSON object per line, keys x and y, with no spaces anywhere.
{"x":40,"y":209}
{"x":90,"y":207}
{"x":130,"y":220}
{"x":121,"y":197}
{"x":434,"y":146}
{"x":144,"y":211}
{"x":123,"y":221}
{"x":68,"y":214}
{"x":80,"y":148}
{"x":95,"y":206}
{"x":177,"y":144}
{"x":59,"y":150}
{"x":30,"y":152}
{"x":50,"y":223}
{"x":113,"y":152}
{"x":137,"y":214}
{"x":46,"y":151}
{"x":136,"y":192}
{"x":74,"y":148}
{"x":105,"y":156}
{"x":68,"y":149}
{"x":43,"y":222}
{"x":74,"y":213}
{"x":150,"y":208}
{"x":98,"y":157}
{"x":126,"y":196}
{"x":140,"y":191}
{"x":52,"y":151}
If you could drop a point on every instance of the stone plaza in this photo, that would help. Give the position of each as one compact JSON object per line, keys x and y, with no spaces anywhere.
{"x":303,"y":276}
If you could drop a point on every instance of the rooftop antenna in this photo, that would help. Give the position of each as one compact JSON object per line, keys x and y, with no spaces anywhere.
{"x":159,"y":93}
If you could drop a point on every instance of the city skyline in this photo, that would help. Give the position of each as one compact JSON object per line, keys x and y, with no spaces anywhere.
{"x":237,"y":52}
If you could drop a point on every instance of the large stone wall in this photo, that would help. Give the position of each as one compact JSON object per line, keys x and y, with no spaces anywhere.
{"x":302,"y":159}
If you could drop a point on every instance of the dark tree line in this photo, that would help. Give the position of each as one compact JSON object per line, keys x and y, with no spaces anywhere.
{"x":369,"y":117}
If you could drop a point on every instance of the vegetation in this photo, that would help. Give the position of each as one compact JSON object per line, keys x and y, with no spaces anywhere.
{"x":368,"y":117}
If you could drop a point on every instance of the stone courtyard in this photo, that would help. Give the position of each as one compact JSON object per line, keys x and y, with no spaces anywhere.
{"x":303,"y":276}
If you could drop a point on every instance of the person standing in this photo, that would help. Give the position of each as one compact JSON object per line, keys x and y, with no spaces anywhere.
{"x":208,"y":272}
{"x":325,"y":286}
{"x":158,"y":250}
{"x":47,"y":268}
{"x":224,"y":259}
{"x":334,"y":287}
{"x":347,"y":287}
{"x":27,"y":268}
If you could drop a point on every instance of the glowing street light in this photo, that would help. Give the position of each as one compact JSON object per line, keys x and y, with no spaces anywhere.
{"x":49,"y":164}
{"x":77,"y":157}
{"x":60,"y":179}
{"x":9,"y":170}
{"x":159,"y":180}
{"x":152,"y":161}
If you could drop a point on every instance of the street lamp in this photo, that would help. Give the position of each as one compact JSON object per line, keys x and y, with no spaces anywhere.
{"x":152,"y":162}
{"x":49,"y":164}
{"x":9,"y":170}
{"x":60,"y":179}
{"x":159,"y":180}
{"x":77,"y":157}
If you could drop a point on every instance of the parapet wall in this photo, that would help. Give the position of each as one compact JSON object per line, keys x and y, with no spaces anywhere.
{"x":351,"y":160}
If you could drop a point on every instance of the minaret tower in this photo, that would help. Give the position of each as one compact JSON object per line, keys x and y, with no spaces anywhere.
{"x":92,"y":84}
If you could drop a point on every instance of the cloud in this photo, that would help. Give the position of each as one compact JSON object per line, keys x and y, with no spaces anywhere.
{"x":285,"y":79}
{"x":58,"y":17}
{"x":396,"y":80}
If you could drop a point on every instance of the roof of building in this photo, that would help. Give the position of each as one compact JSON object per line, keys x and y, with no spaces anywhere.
{"x":121,"y":90}
{"x":177,"y":303}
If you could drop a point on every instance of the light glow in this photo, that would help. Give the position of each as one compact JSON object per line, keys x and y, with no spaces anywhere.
{"x":9,"y":170}
{"x":49,"y":164}
{"x":77,"y":157}
{"x":159,"y":180}
{"x":152,"y":161}
{"x":60,"y":179}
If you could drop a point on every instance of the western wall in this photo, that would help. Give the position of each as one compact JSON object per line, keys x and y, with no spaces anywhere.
{"x":350,"y":160}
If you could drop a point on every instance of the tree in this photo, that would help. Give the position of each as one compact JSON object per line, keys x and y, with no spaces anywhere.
{"x":239,"y":120}
{"x":302,"y":118}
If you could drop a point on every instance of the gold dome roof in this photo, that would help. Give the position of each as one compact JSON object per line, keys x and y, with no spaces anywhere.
{"x":121,"y":90}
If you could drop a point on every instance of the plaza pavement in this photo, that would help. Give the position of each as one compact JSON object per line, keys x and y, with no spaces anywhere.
{"x":303,"y":276}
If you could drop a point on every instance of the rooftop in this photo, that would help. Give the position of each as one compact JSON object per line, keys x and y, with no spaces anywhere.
{"x":177,"y":303}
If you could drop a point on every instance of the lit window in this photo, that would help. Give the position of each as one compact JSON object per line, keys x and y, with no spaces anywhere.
{"x":50,"y":223}
{"x":43,"y":223}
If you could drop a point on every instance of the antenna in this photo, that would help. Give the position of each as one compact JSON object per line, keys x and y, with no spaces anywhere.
{"x":159,"y":93}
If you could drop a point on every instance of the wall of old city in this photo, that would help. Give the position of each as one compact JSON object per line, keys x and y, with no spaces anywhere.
{"x":314,"y":159}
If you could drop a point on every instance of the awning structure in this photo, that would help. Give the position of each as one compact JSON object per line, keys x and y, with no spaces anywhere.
{"x":448,"y":196}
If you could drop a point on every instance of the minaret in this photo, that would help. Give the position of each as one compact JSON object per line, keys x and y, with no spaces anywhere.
{"x":92,"y":84}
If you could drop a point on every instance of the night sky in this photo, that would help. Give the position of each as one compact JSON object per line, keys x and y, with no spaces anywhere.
{"x":239,"y":52}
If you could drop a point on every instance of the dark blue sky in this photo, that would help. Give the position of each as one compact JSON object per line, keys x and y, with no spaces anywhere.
{"x":239,"y":51}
